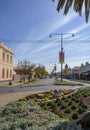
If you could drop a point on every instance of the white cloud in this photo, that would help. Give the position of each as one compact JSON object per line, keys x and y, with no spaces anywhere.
{"x":80,"y":28}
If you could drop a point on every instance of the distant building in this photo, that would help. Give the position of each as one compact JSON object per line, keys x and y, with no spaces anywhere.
{"x":82,"y":72}
{"x":85,"y":68}
{"x":6,"y":62}
{"x":79,"y":72}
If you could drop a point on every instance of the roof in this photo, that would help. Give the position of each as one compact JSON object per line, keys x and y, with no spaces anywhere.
{"x":6,"y":48}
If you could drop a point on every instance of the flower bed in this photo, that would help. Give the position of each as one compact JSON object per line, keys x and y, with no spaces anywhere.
{"x":27,"y":115}
{"x":49,"y":95}
{"x":73,"y":106}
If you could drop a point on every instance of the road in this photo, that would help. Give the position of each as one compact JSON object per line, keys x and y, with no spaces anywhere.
{"x":12,"y":93}
{"x":43,"y":85}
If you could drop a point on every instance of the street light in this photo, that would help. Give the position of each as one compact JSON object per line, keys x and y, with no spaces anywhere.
{"x":61,"y":34}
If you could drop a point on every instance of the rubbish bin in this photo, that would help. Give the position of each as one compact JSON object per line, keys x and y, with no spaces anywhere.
{"x":10,"y":82}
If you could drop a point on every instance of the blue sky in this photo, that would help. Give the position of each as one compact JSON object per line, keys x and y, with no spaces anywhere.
{"x":25,"y":26}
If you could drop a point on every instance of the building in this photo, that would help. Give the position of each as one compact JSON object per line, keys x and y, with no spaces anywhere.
{"x":81,"y":72}
{"x":85,"y":68}
{"x":24,"y":74}
{"x":6,"y":63}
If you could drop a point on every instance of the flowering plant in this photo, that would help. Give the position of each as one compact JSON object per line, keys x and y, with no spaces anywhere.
{"x":82,"y":98}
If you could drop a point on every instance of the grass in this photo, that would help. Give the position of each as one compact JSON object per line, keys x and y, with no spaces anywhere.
{"x":59,"y":82}
{"x":83,"y":81}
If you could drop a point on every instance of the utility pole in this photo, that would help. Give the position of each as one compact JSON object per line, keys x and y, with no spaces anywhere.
{"x":61,"y":53}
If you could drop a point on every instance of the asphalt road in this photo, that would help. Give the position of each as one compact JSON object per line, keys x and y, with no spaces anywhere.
{"x":43,"y":85}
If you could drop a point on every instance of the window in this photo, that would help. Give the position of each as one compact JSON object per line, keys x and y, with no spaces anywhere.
{"x":7,"y":73}
{"x":10,"y":59}
{"x":3,"y":73}
{"x":7,"y":57}
{"x":3,"y":58}
{"x":10,"y":73}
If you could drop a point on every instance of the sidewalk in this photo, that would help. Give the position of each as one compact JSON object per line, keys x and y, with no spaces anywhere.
{"x":8,"y":98}
{"x":13,"y":83}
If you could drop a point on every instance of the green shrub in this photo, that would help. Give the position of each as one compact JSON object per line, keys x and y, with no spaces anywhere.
{"x":81,"y":110}
{"x":85,"y":95}
{"x":73,"y":106}
{"x":64,"y":106}
{"x":53,"y":105}
{"x":69,"y":96}
{"x":65,"y":125}
{"x":84,"y":106}
{"x":81,"y":103}
{"x":63,"y":98}
{"x":70,"y":103}
{"x":73,"y":99}
{"x":75,"y":115}
{"x":59,"y":102}
{"x":23,"y":124}
{"x":77,"y":100}
{"x":66,"y":100}
{"x":44,"y":107}
{"x":67,"y":110}
{"x":60,"y":114}
{"x":34,"y":128}
{"x":13,"y":126}
{"x":49,"y":103}
{"x":86,"y":121}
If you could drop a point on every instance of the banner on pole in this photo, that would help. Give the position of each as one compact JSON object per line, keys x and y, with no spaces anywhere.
{"x":61,"y":57}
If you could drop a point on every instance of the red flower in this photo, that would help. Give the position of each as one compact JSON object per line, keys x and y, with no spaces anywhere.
{"x":55,"y":111}
{"x":82,"y":99}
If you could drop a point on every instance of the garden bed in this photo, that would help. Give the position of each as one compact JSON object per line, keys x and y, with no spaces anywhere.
{"x":51,"y":110}
{"x":49,"y":95}
{"x":27,"y":115}
{"x":70,"y":83}
{"x":74,"y":106}
{"x":65,"y":103}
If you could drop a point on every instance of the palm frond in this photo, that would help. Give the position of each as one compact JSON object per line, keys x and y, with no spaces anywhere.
{"x":67,"y":6}
{"x":60,"y":4}
{"x":77,"y":6}
{"x":87,"y":8}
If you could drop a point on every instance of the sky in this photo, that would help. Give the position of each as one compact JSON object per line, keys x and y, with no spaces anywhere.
{"x":25,"y":26}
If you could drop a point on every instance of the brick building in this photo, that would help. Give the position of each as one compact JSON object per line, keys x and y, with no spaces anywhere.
{"x":6,"y":63}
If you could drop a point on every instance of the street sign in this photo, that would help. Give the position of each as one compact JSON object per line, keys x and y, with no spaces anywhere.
{"x":61,"y":57}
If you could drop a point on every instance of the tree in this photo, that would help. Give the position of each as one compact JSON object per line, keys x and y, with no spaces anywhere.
{"x":25,"y":67}
{"x":41,"y":71}
{"x":65,"y":70}
{"x":77,"y":6}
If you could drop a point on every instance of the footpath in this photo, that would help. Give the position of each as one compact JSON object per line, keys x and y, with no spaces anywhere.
{"x":8,"y":98}
{"x":10,"y":83}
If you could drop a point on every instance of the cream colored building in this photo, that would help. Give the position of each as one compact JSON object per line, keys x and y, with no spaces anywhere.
{"x":6,"y":62}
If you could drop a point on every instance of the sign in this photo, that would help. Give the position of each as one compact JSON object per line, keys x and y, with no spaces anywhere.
{"x":61,"y":57}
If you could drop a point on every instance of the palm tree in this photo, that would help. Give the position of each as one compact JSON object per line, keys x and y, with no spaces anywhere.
{"x":77,"y":6}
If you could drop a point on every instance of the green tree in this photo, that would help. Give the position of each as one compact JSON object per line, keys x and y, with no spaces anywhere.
{"x":77,"y":6}
{"x":41,"y":71}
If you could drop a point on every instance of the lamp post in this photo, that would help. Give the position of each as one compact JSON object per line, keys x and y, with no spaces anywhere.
{"x":61,"y":61}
